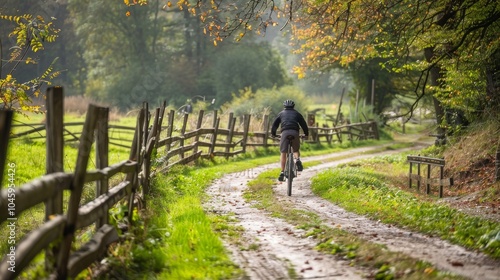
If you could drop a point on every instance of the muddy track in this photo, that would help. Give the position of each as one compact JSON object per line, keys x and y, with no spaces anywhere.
{"x":270,"y":248}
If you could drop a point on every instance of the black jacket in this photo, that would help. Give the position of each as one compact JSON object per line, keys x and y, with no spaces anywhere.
{"x":289,"y":119}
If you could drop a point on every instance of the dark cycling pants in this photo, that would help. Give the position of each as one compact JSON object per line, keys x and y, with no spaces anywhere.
{"x":284,"y":141}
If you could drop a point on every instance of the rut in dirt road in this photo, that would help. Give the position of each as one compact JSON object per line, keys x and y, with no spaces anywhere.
{"x":273,"y":249}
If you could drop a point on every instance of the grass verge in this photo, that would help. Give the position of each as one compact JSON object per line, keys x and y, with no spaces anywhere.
{"x":361,"y":187}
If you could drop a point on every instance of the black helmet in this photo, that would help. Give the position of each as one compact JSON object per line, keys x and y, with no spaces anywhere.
{"x":288,"y":103}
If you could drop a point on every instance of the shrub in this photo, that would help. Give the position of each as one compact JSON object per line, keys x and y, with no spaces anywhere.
{"x":267,"y":101}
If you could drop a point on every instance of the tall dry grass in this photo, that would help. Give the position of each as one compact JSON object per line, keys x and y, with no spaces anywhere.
{"x":477,"y":146}
{"x":78,"y":104}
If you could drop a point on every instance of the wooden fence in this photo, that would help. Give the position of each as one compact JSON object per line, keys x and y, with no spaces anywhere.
{"x":429,"y":162}
{"x":168,"y":145}
{"x":35,"y":131}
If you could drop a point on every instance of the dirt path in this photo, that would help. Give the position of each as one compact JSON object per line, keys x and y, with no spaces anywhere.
{"x":270,"y":247}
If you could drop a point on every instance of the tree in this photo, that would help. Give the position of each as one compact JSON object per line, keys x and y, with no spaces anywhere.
{"x":18,"y":82}
{"x":249,"y":65}
{"x":119,"y":51}
{"x":445,"y":41}
{"x":440,"y":39}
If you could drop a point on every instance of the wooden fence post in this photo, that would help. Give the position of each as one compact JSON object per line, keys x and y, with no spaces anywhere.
{"x":246,"y":128}
{"x":339,"y":112}
{"x":198,"y":126}
{"x":5,"y":125}
{"x":154,"y":127}
{"x":441,"y":177}
{"x":409,"y":175}
{"x":84,"y":148}
{"x":215,"y":118}
{"x":418,"y":173}
{"x":170,"y":128}
{"x":148,"y":150}
{"x":265,"y":128}
{"x":211,"y":150}
{"x":428,"y":186}
{"x":160,"y":122}
{"x":145,"y":124}
{"x":54,"y":139}
{"x":54,"y":127}
{"x":102,"y":160}
{"x":230,"y":127}
{"x":145,"y":154}
{"x":183,"y":131}
{"x":135,"y":155}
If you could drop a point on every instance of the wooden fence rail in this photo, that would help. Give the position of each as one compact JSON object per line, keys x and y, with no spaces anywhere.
{"x":171,"y":145}
{"x":36,"y":132}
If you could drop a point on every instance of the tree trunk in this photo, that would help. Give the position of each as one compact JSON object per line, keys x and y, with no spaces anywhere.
{"x":493,"y":83}
{"x":435,"y":75}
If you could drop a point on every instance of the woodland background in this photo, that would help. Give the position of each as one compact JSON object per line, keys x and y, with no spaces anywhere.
{"x":439,"y":55}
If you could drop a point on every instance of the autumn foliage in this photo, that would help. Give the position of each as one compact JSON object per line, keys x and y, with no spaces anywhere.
{"x":31,"y":33}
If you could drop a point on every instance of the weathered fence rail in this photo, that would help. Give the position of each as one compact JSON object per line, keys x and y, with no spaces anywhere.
{"x":64,"y":216}
{"x":427,"y":180}
{"x":37,"y":131}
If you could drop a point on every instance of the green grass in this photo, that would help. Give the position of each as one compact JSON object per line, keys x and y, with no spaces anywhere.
{"x":362,"y":188}
{"x":29,"y":155}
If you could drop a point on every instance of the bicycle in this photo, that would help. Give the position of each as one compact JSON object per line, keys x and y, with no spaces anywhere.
{"x":290,"y":165}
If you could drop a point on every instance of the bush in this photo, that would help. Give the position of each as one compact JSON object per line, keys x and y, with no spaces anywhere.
{"x":267,"y":101}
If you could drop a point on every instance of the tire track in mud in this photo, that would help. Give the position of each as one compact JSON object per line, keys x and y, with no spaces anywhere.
{"x":270,"y":248}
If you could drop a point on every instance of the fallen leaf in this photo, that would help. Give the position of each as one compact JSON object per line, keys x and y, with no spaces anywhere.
{"x":307,"y":268}
{"x":455,"y":263}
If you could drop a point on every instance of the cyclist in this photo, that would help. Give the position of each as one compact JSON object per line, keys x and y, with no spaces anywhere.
{"x":290,"y":121}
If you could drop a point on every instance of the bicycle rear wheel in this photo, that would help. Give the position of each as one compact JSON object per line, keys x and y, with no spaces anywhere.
{"x":290,"y":166}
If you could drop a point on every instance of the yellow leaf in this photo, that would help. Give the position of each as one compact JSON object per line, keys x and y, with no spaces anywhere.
{"x":127,"y":13}
{"x":215,"y":42}
{"x":169,"y":4}
{"x":127,"y":2}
